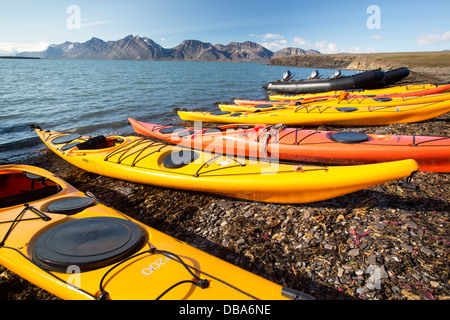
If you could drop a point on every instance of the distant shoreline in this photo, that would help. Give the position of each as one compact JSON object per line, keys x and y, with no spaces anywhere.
{"x":15,"y":57}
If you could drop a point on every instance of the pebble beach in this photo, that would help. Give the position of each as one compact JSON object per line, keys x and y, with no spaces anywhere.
{"x":381,"y":243}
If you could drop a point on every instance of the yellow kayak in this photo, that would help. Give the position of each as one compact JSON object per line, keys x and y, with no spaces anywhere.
{"x":149,"y":162}
{"x":339,"y":102}
{"x":384,"y":91}
{"x":338,"y":115}
{"x":69,"y":244}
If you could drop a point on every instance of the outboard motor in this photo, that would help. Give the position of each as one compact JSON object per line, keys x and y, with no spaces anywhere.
{"x":314,"y":75}
{"x":287,"y":76}
{"x":336,"y":74}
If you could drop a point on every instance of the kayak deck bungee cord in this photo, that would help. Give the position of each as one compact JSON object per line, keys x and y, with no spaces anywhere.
{"x":157,"y":163}
{"x":432,"y":153}
{"x":68,"y":243}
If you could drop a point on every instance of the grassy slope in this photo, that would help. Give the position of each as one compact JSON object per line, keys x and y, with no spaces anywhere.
{"x":368,"y":60}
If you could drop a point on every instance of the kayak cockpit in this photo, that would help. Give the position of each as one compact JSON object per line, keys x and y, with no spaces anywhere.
{"x":23,"y":187}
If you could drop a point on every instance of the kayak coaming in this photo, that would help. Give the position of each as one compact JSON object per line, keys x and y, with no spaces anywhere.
{"x":431,"y":152}
{"x":328,"y":115}
{"x":229,"y":176}
{"x":16,"y":255}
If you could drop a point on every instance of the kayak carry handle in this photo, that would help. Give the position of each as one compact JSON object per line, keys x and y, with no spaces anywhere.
{"x":176,"y":109}
{"x":34,"y":127}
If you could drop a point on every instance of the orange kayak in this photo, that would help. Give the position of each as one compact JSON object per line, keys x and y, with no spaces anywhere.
{"x":331,"y":147}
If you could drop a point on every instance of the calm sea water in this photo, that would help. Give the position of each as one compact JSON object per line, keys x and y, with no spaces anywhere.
{"x":97,"y":97}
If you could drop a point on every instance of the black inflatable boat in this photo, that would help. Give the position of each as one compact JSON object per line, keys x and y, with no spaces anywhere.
{"x":391,"y":77}
{"x":314,"y":84}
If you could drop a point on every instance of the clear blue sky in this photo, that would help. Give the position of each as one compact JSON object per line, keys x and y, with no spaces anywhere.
{"x":327,"y":26}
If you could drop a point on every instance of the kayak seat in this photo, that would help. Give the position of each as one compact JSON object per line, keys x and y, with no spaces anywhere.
{"x":25,"y":187}
{"x":88,"y":243}
{"x":29,"y":196}
{"x":97,"y":142}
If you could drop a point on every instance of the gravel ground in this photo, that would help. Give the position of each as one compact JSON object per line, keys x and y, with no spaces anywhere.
{"x":380,"y":243}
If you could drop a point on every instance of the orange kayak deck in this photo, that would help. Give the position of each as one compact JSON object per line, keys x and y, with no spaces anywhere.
{"x":331,"y":147}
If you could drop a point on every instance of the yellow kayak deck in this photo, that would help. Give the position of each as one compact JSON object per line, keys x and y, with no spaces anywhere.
{"x":71,"y":245}
{"x":149,"y":162}
{"x":338,"y":102}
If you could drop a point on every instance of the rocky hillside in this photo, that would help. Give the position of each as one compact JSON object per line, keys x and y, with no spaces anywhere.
{"x":135,"y":47}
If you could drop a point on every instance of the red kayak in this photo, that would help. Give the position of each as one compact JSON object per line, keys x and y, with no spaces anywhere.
{"x":330,"y":147}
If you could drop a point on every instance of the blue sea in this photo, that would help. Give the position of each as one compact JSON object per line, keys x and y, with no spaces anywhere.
{"x":96,"y":97}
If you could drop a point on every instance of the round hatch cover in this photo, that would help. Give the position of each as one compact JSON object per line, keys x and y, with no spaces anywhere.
{"x":70,"y":146}
{"x":349,"y":137}
{"x":219,"y":113}
{"x":171,"y":129}
{"x":180,"y":158}
{"x":71,"y":205}
{"x":89,"y":243}
{"x":347,"y":109}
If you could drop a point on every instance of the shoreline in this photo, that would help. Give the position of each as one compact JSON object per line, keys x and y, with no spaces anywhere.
{"x":380,"y":243}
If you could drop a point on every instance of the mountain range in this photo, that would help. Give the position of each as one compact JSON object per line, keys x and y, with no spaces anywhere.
{"x":135,"y":47}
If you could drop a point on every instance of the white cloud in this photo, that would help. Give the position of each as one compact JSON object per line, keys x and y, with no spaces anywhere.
{"x":326,"y":47}
{"x":272,"y":36}
{"x":275,"y":42}
{"x":300,"y":42}
{"x":377,"y":37}
{"x":14,"y":47}
{"x":275,"y":45}
{"x":433,"y":38}
{"x":83,"y":25}
{"x":272,"y":41}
